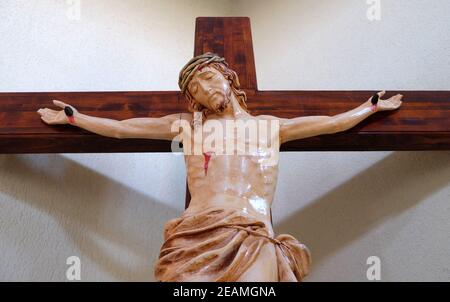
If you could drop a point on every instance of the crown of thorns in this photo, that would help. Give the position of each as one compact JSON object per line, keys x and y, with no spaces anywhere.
{"x":196,"y":63}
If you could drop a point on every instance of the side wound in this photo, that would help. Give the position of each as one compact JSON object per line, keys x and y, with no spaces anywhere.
{"x":207,"y":156}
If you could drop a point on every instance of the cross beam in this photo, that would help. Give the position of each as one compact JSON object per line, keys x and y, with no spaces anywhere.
{"x":422,"y":123}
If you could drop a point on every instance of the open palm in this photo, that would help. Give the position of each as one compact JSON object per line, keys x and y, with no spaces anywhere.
{"x":390,"y":104}
{"x":55,"y":117}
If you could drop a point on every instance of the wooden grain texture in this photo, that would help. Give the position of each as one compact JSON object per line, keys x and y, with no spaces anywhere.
{"x":231,"y":38}
{"x":22,"y":131}
{"x":422,"y":123}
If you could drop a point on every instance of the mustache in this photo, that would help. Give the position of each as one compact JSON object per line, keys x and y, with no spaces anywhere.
{"x":223,"y":104}
{"x":214,"y":94}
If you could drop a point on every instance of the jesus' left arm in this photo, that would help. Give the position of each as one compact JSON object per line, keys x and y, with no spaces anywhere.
{"x":309,"y":126}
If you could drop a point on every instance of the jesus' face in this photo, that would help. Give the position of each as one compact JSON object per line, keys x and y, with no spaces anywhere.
{"x":211,"y":89}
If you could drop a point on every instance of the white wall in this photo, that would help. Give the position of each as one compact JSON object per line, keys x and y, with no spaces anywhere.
{"x":349,"y":206}
{"x":109,"y":209}
{"x":330,"y":44}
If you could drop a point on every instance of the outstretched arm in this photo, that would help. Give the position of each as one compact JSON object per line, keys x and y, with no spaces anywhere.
{"x":150,"y":128}
{"x":309,"y":126}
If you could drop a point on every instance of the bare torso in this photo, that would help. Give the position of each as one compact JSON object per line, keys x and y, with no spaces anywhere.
{"x":245,"y":182}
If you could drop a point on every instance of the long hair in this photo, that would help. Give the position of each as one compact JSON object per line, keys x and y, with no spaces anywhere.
{"x":219,"y":63}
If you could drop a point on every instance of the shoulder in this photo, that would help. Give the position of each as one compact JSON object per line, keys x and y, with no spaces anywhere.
{"x":179,"y":116}
{"x":186,"y":117}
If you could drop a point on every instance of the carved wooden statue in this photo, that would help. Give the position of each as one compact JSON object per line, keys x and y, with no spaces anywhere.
{"x":226,"y":232}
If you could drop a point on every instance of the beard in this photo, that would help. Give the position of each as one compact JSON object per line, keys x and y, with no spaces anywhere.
{"x":223,"y":104}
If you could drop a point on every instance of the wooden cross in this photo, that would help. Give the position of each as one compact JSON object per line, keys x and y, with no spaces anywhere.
{"x":422,"y":123}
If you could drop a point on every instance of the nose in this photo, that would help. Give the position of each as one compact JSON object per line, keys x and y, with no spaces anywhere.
{"x":205,"y":86}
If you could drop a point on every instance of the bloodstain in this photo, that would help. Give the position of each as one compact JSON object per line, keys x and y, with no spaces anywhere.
{"x":207,"y":156}
{"x":71,"y":119}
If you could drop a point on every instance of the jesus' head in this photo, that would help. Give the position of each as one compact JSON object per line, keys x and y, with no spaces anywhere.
{"x":208,"y":84}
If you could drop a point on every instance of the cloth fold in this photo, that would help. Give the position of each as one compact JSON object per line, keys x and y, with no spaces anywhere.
{"x":221,"y":244}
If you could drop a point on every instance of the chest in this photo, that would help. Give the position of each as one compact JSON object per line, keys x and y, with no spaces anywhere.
{"x":252,"y":138}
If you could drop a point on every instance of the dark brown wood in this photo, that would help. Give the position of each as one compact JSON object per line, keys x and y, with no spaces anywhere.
{"x":422,"y":123}
{"x":231,"y":38}
{"x":22,"y":131}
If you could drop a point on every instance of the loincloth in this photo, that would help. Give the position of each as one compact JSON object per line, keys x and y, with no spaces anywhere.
{"x":220,"y":245}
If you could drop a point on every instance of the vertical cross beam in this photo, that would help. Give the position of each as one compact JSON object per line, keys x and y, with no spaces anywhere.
{"x":231,"y":38}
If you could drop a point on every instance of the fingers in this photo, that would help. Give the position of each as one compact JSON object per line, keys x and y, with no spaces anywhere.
{"x":47,"y":110}
{"x":396,"y":101}
{"x":43,"y":112}
{"x":48,"y":115}
{"x":60,"y":104}
{"x":381,"y":93}
{"x":397,"y":97}
{"x":46,"y":120}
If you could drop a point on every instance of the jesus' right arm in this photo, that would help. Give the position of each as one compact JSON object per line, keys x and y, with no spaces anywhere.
{"x":146,"y":127}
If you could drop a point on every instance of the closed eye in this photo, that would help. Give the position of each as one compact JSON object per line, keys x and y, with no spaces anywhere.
{"x":207,"y":75}
{"x":210,"y":76}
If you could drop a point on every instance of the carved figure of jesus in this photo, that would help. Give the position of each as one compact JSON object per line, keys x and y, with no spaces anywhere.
{"x":226,"y":232}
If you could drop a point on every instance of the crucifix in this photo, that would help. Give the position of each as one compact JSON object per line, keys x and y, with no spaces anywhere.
{"x":226,"y":232}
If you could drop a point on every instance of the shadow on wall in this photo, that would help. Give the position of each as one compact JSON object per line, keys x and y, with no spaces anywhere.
{"x":391,"y":186}
{"x":92,"y":209}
